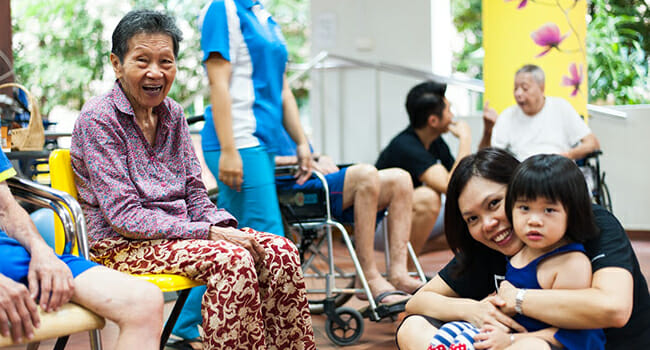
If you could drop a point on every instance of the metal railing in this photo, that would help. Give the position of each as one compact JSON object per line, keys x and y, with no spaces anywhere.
{"x":327,"y":61}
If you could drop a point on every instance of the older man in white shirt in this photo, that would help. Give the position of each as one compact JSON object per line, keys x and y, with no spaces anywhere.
{"x":537,"y":123}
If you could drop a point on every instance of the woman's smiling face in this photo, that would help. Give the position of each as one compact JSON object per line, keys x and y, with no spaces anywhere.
{"x":147,"y":71}
{"x":482,"y":205}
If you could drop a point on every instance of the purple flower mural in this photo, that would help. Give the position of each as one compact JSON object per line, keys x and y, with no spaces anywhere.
{"x":522,"y":3}
{"x":575,"y":78}
{"x":548,"y":36}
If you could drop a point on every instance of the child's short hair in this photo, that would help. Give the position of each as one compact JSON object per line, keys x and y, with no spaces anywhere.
{"x":556,"y":178}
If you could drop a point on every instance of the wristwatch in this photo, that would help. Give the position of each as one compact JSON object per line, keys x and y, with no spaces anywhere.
{"x":519,"y":299}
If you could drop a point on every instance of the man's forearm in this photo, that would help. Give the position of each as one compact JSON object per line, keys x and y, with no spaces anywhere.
{"x":15,"y":221}
{"x":587,"y":145}
{"x":486,"y":140}
{"x":464,"y":149}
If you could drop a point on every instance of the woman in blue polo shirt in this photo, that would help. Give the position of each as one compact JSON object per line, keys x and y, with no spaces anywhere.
{"x":245,"y":57}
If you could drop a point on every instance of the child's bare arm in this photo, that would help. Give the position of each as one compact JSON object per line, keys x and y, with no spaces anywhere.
{"x":571,"y":270}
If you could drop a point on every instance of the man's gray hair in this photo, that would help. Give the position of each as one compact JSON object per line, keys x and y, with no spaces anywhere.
{"x":535,"y":71}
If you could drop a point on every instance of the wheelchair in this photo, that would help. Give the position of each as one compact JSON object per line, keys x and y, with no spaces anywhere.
{"x":595,"y":178}
{"x":310,"y":226}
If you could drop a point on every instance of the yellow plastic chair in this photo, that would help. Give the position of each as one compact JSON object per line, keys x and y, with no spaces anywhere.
{"x":62,"y":178}
{"x":70,"y":318}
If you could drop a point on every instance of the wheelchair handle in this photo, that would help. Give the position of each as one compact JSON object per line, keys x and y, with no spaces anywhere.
{"x":195,"y":119}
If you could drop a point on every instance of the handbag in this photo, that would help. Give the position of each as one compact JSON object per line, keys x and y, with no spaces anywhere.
{"x":31,"y":138}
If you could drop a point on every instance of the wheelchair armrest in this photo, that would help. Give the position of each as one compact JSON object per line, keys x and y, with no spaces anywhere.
{"x":593,"y":154}
{"x":290,"y":170}
{"x":64,"y":206}
{"x":286,"y":170}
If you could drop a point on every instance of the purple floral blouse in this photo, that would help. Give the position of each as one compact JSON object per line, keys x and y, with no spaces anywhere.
{"x":128,"y":187}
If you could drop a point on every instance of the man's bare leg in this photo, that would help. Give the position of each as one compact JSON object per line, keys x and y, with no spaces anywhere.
{"x":361,"y":189}
{"x":396,"y":194}
{"x":426,"y":206}
{"x":135,"y":305}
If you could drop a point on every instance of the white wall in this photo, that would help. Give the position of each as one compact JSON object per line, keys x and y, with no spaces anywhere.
{"x":625,"y":160}
{"x":356,"y":111}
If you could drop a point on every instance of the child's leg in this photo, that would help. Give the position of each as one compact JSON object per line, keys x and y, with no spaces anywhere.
{"x":446,"y":335}
{"x":465,"y":340}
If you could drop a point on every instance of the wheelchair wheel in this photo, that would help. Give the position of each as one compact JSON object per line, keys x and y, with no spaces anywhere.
{"x":348,"y":330}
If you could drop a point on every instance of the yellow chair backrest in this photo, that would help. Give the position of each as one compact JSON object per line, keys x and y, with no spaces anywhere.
{"x":61,"y":167}
{"x":62,"y":178}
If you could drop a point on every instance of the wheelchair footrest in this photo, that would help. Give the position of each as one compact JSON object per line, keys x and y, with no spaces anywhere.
{"x":384,"y":310}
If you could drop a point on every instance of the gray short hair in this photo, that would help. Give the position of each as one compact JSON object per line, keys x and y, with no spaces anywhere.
{"x":534,"y":70}
{"x":144,"y":21}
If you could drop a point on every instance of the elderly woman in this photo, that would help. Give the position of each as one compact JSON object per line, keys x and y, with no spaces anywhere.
{"x":139,"y":183}
{"x":481,"y":236}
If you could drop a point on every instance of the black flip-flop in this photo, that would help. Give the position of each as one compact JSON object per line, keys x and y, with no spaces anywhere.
{"x":386,"y":309}
{"x":182,"y":344}
{"x":383,"y":295}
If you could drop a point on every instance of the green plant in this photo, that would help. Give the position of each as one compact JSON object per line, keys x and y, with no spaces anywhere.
{"x":58,"y":50}
{"x":61,"y":47}
{"x":617,"y":45}
{"x":467,"y":19}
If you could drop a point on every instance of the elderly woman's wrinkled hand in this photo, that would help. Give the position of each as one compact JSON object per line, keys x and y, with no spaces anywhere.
{"x":240,"y":238}
{"x":487,"y":312}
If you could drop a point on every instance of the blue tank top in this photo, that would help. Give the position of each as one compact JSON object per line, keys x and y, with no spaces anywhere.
{"x":526,"y":277}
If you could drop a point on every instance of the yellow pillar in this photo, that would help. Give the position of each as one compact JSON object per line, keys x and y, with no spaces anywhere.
{"x":510,"y":31}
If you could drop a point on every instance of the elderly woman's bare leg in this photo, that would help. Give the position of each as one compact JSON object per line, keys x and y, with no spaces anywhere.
{"x":135,"y":305}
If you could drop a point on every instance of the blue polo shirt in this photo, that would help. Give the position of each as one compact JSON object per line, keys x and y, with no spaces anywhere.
{"x":244,"y":33}
{"x":6,"y":169}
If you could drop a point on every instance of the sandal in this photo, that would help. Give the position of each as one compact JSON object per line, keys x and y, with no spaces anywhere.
{"x":386,"y":309}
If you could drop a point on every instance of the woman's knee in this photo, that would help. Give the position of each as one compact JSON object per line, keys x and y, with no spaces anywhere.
{"x":415,"y":332}
{"x":280,"y":248}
